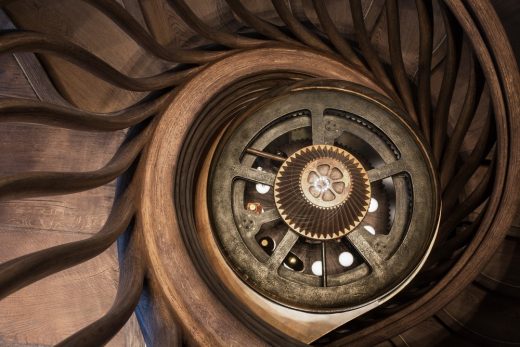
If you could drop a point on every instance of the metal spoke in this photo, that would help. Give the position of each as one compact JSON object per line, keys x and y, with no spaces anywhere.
{"x":283,"y":249}
{"x":402,"y":201}
{"x":252,"y":174}
{"x":265,"y":154}
{"x":324,"y":263}
{"x":318,"y":127}
{"x":366,"y":250}
{"x":387,"y":170}
{"x":268,"y":216}
{"x":260,"y":219}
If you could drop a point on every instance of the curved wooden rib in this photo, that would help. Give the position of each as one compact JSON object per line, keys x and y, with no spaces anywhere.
{"x":25,"y":270}
{"x":33,"y":184}
{"x":263,"y":27}
{"x":474,"y":200}
{"x":38,"y":112}
{"x":461,"y":128}
{"x":131,"y":281}
{"x":297,"y":28}
{"x":442,"y":111}
{"x":368,"y":51}
{"x":129,"y":25}
{"x":26,"y":41}
{"x":425,"y":65}
{"x":396,"y":57}
{"x":484,"y":144}
{"x":335,"y":36}
{"x":448,"y":248}
{"x":226,"y":39}
{"x":126,"y":22}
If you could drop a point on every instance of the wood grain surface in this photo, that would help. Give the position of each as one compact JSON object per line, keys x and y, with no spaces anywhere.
{"x":203,"y":318}
{"x":54,"y":308}
{"x":48,"y":311}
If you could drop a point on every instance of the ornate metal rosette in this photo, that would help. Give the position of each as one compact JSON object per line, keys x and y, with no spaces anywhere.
{"x":321,"y":182}
{"x":322,"y":192}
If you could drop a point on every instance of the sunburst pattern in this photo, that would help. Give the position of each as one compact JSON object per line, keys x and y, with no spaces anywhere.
{"x":322,"y":192}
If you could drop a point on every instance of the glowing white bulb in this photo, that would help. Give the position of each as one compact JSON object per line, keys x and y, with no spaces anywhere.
{"x":346,"y":259}
{"x":262,"y":188}
{"x":322,"y":184}
{"x":373,"y":205}
{"x":370,"y":229}
{"x":316,"y":268}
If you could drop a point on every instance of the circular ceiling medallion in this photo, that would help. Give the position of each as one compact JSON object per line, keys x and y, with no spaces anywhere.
{"x":312,"y":197}
{"x":322,"y":192}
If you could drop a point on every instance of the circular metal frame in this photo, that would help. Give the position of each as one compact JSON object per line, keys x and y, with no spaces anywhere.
{"x":306,"y":106}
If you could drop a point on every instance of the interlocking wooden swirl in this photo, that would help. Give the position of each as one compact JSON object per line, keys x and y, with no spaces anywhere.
{"x":256,"y":63}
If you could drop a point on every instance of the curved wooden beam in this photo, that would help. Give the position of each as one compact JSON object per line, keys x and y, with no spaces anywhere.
{"x":442,"y":111}
{"x":474,"y":200}
{"x":129,"y":25}
{"x":27,"y":41}
{"x":425,"y":65}
{"x":396,"y":57}
{"x":39,"y":112}
{"x":260,"y":25}
{"x":341,"y":44}
{"x":226,"y":39}
{"x":479,"y":153}
{"x":367,"y":49}
{"x":31,"y":184}
{"x":20,"y":272}
{"x":297,"y":28}
{"x":464,"y":120}
{"x":131,"y":281}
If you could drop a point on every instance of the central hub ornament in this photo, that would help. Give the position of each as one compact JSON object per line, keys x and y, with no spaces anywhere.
{"x":325,"y":182}
{"x":322,"y":192}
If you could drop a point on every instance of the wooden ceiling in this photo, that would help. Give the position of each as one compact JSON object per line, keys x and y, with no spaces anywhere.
{"x":45,"y":312}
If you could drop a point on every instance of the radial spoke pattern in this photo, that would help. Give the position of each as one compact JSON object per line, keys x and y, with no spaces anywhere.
{"x":254,"y":175}
{"x":472,"y":173}
{"x":388,"y":170}
{"x":283,"y":249}
{"x":366,"y":250}
{"x":318,"y":128}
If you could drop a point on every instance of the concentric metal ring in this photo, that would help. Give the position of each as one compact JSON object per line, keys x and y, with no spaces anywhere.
{"x":387,"y":261}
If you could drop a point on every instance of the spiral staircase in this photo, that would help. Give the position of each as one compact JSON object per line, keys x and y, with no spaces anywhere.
{"x":250,"y":173}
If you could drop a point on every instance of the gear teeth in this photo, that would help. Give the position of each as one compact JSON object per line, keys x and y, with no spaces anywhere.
{"x":321,"y":222}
